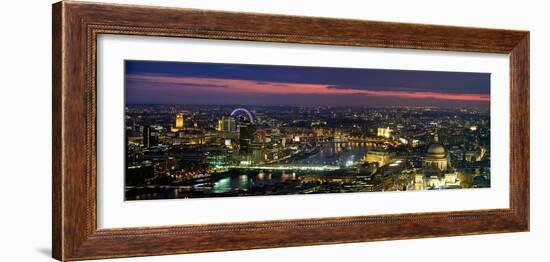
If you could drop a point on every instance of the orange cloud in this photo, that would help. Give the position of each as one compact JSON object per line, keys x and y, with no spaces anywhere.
{"x":219,"y":85}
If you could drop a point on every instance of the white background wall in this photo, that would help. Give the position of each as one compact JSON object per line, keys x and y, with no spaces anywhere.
{"x":25,"y":117}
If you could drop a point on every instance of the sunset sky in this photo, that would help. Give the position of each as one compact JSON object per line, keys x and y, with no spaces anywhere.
{"x":238,"y":84}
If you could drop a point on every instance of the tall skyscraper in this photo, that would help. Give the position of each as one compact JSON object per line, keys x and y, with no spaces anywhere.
{"x":229,"y":124}
{"x":246,"y":135}
{"x":150,"y":136}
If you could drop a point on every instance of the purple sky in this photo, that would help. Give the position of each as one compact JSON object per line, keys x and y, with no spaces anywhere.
{"x":153,"y":82}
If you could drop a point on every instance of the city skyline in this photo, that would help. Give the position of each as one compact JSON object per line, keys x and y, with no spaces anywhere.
{"x":196,"y":130}
{"x":153,"y":82}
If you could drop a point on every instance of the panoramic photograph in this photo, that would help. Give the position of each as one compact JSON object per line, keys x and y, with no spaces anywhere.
{"x":198,"y":130}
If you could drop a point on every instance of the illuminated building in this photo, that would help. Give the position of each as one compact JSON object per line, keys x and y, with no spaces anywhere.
{"x":436,"y":181}
{"x":219,"y":126}
{"x":190,"y":137}
{"x":379,"y":157}
{"x":150,"y":136}
{"x":451,"y":179}
{"x":179,"y":120}
{"x":211,"y":137}
{"x":179,"y":123}
{"x":436,"y":157}
{"x":384,"y":132}
{"x":217,"y":157}
{"x":228,"y":125}
{"x":418,"y":183}
{"x":245,"y":160}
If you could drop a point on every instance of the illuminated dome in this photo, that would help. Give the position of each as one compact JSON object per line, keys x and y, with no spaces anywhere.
{"x":436,"y":150}
{"x":436,"y":157}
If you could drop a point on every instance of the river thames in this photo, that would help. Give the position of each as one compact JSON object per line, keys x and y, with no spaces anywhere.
{"x":245,"y":182}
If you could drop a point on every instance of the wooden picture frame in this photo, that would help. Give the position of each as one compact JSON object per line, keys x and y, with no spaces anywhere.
{"x":76,"y":26}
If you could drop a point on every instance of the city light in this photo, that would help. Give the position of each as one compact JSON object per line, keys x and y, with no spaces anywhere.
{"x":217,"y":130}
{"x":200,"y":162}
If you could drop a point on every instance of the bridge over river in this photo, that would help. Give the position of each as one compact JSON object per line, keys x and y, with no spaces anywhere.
{"x":297,"y":167}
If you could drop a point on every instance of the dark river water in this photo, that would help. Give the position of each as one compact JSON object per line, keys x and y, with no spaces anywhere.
{"x":335,"y":154}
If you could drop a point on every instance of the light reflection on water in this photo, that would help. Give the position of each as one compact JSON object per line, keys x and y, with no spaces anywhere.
{"x":223,"y":185}
{"x":331,"y":154}
{"x":245,"y":182}
{"x":268,"y":182}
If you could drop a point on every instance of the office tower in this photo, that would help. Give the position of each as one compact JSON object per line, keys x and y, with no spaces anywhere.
{"x":150,"y":136}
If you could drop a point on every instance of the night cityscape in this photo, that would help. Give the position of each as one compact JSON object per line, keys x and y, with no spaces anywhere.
{"x":219,"y":130}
